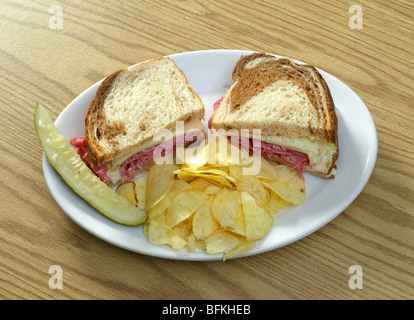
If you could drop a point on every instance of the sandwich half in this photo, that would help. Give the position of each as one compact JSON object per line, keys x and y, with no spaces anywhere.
{"x":292,"y":106}
{"x":130,"y":108}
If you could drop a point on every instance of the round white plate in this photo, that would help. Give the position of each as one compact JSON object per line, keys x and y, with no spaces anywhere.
{"x":209,"y":73}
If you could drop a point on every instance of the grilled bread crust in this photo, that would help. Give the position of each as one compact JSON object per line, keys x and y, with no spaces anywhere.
{"x":280,"y":97}
{"x":305,"y":107}
{"x":132,"y":105}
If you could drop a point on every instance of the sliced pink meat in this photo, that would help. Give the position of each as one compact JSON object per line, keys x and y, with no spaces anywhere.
{"x":135,"y":162}
{"x":80,"y":144}
{"x":290,"y":157}
{"x":216,"y":105}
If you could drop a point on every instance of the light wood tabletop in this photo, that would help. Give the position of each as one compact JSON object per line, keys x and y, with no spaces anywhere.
{"x":51,"y":51}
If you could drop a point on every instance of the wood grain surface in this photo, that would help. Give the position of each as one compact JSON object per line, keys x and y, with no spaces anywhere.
{"x":53,"y":66}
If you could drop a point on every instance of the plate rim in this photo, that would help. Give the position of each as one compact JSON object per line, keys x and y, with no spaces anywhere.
{"x":47,"y":168}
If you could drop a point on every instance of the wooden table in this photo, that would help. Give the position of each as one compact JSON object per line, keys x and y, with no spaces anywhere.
{"x":43,"y":60}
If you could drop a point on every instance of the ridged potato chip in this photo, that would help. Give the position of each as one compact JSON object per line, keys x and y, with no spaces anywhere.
{"x":196,"y":157}
{"x":203,"y":222}
{"x":218,"y":150}
{"x":212,"y":190}
{"x":184,"y":229}
{"x":177,"y":187}
{"x":201,"y":184}
{"x":127,"y":190}
{"x":288,"y":185}
{"x":276,"y":203}
{"x":267,"y":170}
{"x":221,"y":242}
{"x":160,"y":181}
{"x":160,"y":234}
{"x":253,"y":185}
{"x":159,"y":208}
{"x":257,"y":220}
{"x":230,"y":213}
{"x":217,"y":200}
{"x":219,"y":172}
{"x":193,"y":243}
{"x":187,"y":175}
{"x":183,"y":206}
{"x":214,"y":207}
{"x":243,"y":247}
{"x":236,"y":172}
{"x":140,"y":189}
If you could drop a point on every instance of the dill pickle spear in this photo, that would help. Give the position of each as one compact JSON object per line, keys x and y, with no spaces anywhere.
{"x":79,"y":177}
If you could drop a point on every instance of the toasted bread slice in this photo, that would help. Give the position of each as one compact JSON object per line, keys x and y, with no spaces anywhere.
{"x":132,"y":105}
{"x":283,"y":99}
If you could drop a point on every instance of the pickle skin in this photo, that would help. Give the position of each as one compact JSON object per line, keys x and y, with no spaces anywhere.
{"x":79,"y":177}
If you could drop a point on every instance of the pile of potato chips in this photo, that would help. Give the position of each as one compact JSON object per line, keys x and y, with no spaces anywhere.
{"x":212,"y":206}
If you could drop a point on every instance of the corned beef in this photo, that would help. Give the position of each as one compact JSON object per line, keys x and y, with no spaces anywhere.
{"x":132,"y":164}
{"x":290,"y":157}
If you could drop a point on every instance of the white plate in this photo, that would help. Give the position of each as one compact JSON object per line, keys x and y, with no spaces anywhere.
{"x":209,"y":73}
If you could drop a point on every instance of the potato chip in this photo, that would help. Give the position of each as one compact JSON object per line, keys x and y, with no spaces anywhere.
{"x":184,"y":228}
{"x":175,"y":241}
{"x":160,"y":234}
{"x":258,"y":221}
{"x":201,"y":184}
{"x":243,"y":247}
{"x":289,"y":185}
{"x":193,"y":243}
{"x":267,"y":170}
{"x":189,"y":176}
{"x":185,"y":176}
{"x":218,"y":147}
{"x":127,"y":190}
{"x":183,"y":206}
{"x":177,"y":187}
{"x":159,"y":208}
{"x":196,"y":157}
{"x":214,"y":206}
{"x":230,"y":213}
{"x":220,"y":180}
{"x":212,"y":190}
{"x":142,"y":179}
{"x":276,"y":203}
{"x":223,"y":170}
{"x":160,"y":181}
{"x":219,"y":172}
{"x":203,"y":222}
{"x":221,"y":242}
{"x":145,"y":229}
{"x":140,"y":189}
{"x":252,"y":185}
{"x":223,"y":153}
{"x":216,"y":202}
{"x":140,"y":194}
{"x":236,"y":172}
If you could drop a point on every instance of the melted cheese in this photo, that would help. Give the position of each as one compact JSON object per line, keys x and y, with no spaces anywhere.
{"x":317,"y":151}
{"x":190,"y":126}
